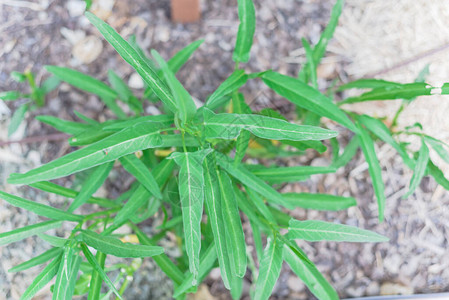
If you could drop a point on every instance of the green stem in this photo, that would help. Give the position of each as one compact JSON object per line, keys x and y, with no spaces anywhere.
{"x":183,"y":141}
{"x":34,"y":91}
{"x":124,"y":284}
{"x":96,"y":281}
{"x":101,"y":213}
{"x":409,"y":133}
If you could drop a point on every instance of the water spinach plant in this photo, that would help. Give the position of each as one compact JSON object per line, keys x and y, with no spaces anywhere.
{"x":189,"y":166}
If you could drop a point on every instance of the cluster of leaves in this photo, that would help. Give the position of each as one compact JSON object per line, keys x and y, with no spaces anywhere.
{"x":193,"y":156}
{"x":35,"y":98}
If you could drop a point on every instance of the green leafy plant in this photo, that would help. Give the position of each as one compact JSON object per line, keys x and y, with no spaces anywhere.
{"x":189,"y":163}
{"x":35,"y":98}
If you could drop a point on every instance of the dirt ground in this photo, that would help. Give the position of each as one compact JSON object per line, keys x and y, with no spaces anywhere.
{"x":38,"y":33}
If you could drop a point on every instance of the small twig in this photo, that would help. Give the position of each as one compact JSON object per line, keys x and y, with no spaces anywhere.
{"x":408,"y":61}
{"x":37,"y":139}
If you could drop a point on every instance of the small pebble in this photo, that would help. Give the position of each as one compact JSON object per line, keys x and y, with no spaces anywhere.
{"x":135,"y":81}
{"x":295,"y":284}
{"x":88,"y":49}
{"x":75,"y":8}
{"x":373,"y":289}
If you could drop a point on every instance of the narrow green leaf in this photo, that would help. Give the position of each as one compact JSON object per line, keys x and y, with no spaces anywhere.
{"x":237,"y":79}
{"x":92,"y":183}
{"x":55,"y":241}
{"x":130,"y":55}
{"x":51,"y":187}
{"x":420,"y":169}
{"x":50,"y":84}
{"x":241,"y":146}
{"x":233,"y":228}
{"x":175,"y":140}
{"x":368,"y":84}
{"x":176,"y":62}
{"x":208,"y":259}
{"x":257,"y":237}
{"x":113,"y":246}
{"x":120,"y":87}
{"x":335,"y":146}
{"x":42,"y":279}
{"x":381,"y":131}
{"x":17,"y":118}
{"x":96,"y":281}
{"x":40,"y":209}
{"x":236,"y":287}
{"x":326,"y":36}
{"x":438,"y":175}
{"x":162,"y":260}
{"x":18,"y":77}
{"x":229,"y":126}
{"x":82,"y":285}
{"x":161,"y":173}
{"x":67,"y":275}
{"x":90,"y":136}
{"x":187,"y":108}
{"x":82,"y":81}
{"x":72,"y":280}
{"x":270,"y":268}
{"x":138,"y":169}
{"x":314,"y":231}
{"x":239,"y":106}
{"x":288,"y":174}
{"x":348,"y":153}
{"x":402,"y":91}
{"x":310,"y":63}
{"x":260,"y":205}
{"x":118,"y":125}
{"x":137,"y":200}
{"x":99,"y":270}
{"x":445,"y":89}
{"x":319,"y":201}
{"x":149,"y":209}
{"x":245,"y":34}
{"x":375,"y":171}
{"x":281,"y":217}
{"x":124,"y":92}
{"x":306,"y":97}
{"x":212,"y":195}
{"x":248,"y":179}
{"x":132,"y":40}
{"x":191,"y":191}
{"x":144,"y":136}
{"x":63,"y":125}
{"x":88,"y":84}
{"x":308,"y":273}
{"x":24,"y":232}
{"x":182,"y":56}
{"x":171,"y":223}
{"x":88,"y":4}
{"x":9,"y":95}
{"x":438,"y":146}
{"x":37,"y":260}
{"x":320,"y":48}
{"x":247,"y":207}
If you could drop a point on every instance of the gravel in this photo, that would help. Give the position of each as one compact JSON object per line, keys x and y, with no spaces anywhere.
{"x":414,"y":261}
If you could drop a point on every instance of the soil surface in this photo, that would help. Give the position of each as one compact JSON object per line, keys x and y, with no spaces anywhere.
{"x":38,"y":33}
